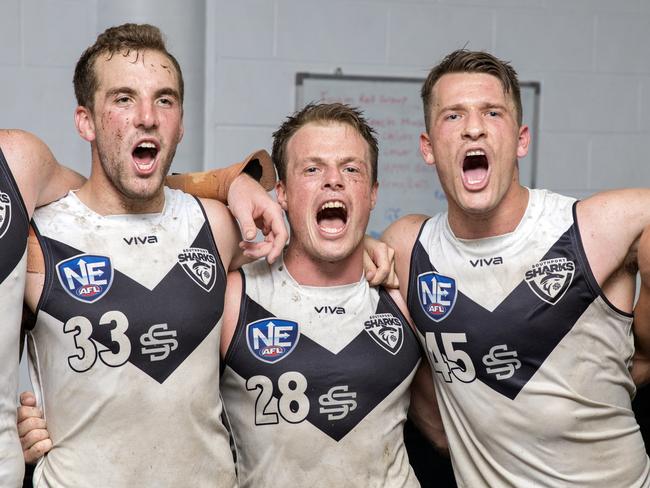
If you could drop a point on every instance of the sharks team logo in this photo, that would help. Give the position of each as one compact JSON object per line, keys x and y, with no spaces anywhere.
{"x":551,"y":278}
{"x":5,"y":213}
{"x":85,"y":277}
{"x":386,"y":330}
{"x":272,"y":339}
{"x":200,"y":265}
{"x":437,"y":294}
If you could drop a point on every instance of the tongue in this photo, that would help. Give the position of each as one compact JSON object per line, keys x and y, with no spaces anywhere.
{"x":475,"y":175}
{"x":332,"y":223}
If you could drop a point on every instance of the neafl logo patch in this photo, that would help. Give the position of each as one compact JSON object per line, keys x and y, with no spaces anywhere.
{"x":5,"y":213}
{"x":86,"y":277}
{"x":551,"y":278}
{"x":386,"y":330}
{"x":272,"y":339}
{"x":437,"y":294}
{"x":200,"y":265}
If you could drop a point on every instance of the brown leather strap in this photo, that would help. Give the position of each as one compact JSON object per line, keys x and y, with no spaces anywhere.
{"x":215,"y":183}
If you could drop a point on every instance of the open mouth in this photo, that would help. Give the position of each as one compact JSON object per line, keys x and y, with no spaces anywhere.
{"x":332,"y":217}
{"x":144,"y":155}
{"x":475,"y":167}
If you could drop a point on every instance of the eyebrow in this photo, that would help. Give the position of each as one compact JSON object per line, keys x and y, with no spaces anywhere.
{"x":344,"y":160}
{"x":483,"y":106}
{"x":130,"y":91}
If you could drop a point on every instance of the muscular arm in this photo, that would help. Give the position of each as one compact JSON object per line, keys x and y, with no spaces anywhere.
{"x":40,"y":178}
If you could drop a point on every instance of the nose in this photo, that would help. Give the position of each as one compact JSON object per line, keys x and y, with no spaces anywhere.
{"x":474,"y":127}
{"x":333,"y":178}
{"x":146,"y":115}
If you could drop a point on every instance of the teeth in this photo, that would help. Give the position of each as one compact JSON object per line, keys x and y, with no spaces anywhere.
{"x":476,"y":152}
{"x":147,"y":145}
{"x":336,"y":204}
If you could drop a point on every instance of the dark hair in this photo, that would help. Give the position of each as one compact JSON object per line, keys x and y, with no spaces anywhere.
{"x":323,"y":113}
{"x":120,"y":39}
{"x":464,"y":61}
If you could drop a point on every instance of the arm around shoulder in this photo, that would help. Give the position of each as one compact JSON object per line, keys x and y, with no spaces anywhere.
{"x":40,"y":178}
{"x":401,"y":236}
{"x":225,"y":232}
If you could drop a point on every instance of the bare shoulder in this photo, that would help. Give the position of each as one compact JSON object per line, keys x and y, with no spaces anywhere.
{"x":628,"y":208}
{"x":22,"y":147}
{"x":610,"y":226}
{"x":401,"y":236}
{"x":403,"y":231}
{"x":31,"y":163}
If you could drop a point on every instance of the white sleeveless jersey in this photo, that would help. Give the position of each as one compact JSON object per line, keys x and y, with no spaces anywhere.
{"x":14,"y":224}
{"x":316,"y":382}
{"x":125,"y":351}
{"x":530,"y":360}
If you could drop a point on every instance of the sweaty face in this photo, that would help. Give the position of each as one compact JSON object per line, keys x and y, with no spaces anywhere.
{"x":328,"y":194}
{"x":474,"y":140}
{"x":136,"y":123}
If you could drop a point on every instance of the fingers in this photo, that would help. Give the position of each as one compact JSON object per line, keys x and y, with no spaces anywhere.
{"x":370,"y":269}
{"x":28,"y":399}
{"x":37,"y":449}
{"x":32,"y":429}
{"x":247,"y":227}
{"x":379,"y":264}
{"x":278,"y":235}
{"x":256,"y":250}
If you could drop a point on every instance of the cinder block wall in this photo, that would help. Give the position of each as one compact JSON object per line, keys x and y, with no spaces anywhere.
{"x":592,"y":58}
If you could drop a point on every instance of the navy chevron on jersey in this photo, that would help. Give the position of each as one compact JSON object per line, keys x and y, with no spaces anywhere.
{"x":124,"y":352}
{"x":316,"y":381}
{"x":14,"y":223}
{"x":530,"y":360}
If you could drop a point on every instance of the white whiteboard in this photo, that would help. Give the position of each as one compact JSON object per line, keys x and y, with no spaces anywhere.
{"x":393,"y":108}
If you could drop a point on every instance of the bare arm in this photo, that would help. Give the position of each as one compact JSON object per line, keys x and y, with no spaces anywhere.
{"x":230,"y":310}
{"x":401,"y":236}
{"x":424,"y":411}
{"x":641,"y":365}
{"x":243,"y":186}
{"x":40,"y":178}
{"x":610,"y":226}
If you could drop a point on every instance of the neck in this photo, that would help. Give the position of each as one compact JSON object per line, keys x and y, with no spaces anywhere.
{"x":103,"y":198}
{"x":500,"y":220}
{"x":309,"y":271}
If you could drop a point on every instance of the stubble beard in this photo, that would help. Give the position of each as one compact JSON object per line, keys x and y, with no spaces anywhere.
{"x":118,"y":176}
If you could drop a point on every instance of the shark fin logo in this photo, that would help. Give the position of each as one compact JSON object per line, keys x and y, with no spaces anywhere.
{"x":5,"y":213}
{"x":386,"y":330}
{"x":551,"y":278}
{"x":200,"y":265}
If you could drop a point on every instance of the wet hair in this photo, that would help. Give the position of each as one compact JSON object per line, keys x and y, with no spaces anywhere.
{"x":323,"y":113}
{"x":464,"y":61}
{"x":120,"y":39}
